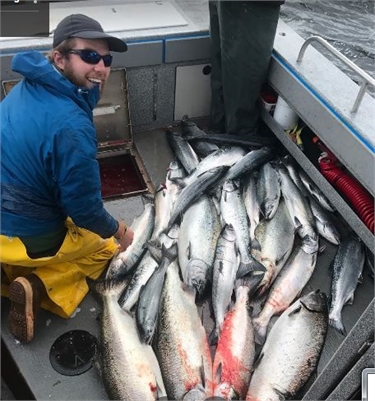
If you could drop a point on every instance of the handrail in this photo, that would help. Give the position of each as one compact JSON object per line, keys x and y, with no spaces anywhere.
{"x":367,"y":80}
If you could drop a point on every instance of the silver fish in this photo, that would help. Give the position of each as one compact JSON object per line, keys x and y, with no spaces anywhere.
{"x":292,"y":350}
{"x":347,"y":272}
{"x":251,"y":201}
{"x":298,"y":206}
{"x":143,"y":226}
{"x":182,"y":346}
{"x":233,"y":212}
{"x":268,"y":190}
{"x":149,"y":300}
{"x":226,"y":156}
{"x":323,"y":221}
{"x":224,"y":277}
{"x":182,"y":150}
{"x":273,"y":243}
{"x":194,"y":191}
{"x":201,"y":147}
{"x":129,"y":368}
{"x":141,"y":275}
{"x":198,"y":236}
{"x":251,"y":161}
{"x":315,"y":191}
{"x":289,"y":283}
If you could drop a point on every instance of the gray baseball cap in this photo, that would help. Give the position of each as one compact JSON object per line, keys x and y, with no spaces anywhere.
{"x":81,"y":26}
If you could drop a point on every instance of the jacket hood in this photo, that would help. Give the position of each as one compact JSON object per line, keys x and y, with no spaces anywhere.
{"x":34,"y":66}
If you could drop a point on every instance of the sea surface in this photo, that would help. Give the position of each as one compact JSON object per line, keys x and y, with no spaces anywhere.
{"x":347,"y":25}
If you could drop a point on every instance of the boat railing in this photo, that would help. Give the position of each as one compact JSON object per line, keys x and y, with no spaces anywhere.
{"x":367,"y":80}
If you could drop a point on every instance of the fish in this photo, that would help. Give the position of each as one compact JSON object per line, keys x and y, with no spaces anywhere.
{"x":190,"y":129}
{"x":181,"y":342}
{"x":198,"y":236}
{"x":182,"y":150}
{"x":194,"y":191}
{"x":130,"y":369}
{"x":268,"y":190}
{"x":323,"y":221}
{"x":287,"y":286}
{"x":347,"y":267}
{"x":226,"y":156}
{"x":235,"y":352}
{"x":224,"y":277}
{"x":292,"y":350}
{"x":299,"y":207}
{"x":141,"y":275}
{"x":149,"y":300}
{"x":124,"y":262}
{"x":273,"y":243}
{"x":246,"y":141}
{"x":251,"y":202}
{"x":251,"y":161}
{"x":315,"y":191}
{"x":233,"y":211}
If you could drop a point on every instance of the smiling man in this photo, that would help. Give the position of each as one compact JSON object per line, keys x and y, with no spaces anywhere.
{"x":55,"y":230}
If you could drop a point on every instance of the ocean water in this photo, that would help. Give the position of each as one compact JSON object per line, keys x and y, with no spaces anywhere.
{"x":347,"y":25}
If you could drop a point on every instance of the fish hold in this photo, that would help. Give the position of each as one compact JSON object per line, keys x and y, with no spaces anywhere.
{"x":347,"y":272}
{"x":129,"y":368}
{"x":182,"y":347}
{"x":292,"y":350}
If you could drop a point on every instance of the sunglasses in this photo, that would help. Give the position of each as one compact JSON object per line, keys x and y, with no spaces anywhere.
{"x":92,"y":57}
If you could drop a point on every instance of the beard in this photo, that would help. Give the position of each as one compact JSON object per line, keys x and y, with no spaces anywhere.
{"x":82,"y":80}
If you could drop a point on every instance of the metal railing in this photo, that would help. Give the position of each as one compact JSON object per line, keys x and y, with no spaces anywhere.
{"x":367,"y":80}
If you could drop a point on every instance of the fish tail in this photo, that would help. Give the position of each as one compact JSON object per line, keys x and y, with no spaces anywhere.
{"x":252,"y":266}
{"x":106,"y":287}
{"x":337,"y":324}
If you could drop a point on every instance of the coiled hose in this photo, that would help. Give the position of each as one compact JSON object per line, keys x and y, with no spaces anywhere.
{"x":361,"y":201}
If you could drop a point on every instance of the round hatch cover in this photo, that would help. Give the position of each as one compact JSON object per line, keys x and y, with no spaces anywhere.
{"x":73,"y":353}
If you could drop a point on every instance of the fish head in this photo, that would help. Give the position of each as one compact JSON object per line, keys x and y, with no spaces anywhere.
{"x":197,"y":271}
{"x":315,"y":301}
{"x":224,"y":391}
{"x":195,"y":394}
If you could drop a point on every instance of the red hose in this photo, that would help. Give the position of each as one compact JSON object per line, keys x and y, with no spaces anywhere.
{"x":361,"y":201}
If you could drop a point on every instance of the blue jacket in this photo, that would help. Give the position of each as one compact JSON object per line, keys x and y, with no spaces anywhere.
{"x":48,"y":154}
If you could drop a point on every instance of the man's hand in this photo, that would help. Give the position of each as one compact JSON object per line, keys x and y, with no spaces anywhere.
{"x":126,"y":240}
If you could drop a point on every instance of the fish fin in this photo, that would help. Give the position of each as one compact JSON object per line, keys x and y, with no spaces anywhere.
{"x":297,"y":223}
{"x":360,"y":278}
{"x":214,"y":336}
{"x":218,"y":373}
{"x":147,"y":199}
{"x":256,"y":245}
{"x":258,"y":360}
{"x":322,"y":249}
{"x":281,"y":393}
{"x":295,"y":310}
{"x":350,"y":299}
{"x":337,"y":324}
{"x":202,"y":372}
{"x":260,"y":331}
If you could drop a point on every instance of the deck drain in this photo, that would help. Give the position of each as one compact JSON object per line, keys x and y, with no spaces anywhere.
{"x":73,"y":353}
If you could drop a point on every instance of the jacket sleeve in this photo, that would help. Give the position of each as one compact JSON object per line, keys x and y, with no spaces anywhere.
{"x":77,"y":179}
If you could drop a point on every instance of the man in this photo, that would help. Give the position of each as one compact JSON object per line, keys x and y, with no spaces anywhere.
{"x":55,"y":230}
{"x":242,"y":35}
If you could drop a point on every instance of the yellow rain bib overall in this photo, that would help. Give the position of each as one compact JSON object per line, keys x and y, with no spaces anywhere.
{"x":82,"y":254}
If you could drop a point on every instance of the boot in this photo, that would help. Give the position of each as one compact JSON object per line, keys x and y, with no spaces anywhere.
{"x":26,"y":294}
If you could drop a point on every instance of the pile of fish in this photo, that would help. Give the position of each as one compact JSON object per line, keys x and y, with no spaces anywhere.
{"x":231,"y":225}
